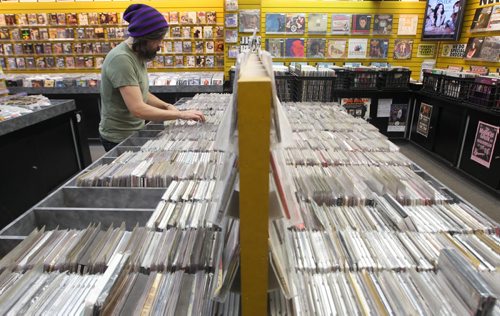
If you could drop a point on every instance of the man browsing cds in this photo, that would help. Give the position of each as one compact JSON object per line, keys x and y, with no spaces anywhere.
{"x":125,"y":98}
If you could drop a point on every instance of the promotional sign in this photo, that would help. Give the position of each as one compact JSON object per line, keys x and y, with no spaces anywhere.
{"x":424,"y":119}
{"x":484,"y":143}
{"x":426,"y":50}
{"x":397,"y":118}
{"x":443,"y":20}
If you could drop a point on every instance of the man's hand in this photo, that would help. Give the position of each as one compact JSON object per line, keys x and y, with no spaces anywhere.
{"x":193,"y":115}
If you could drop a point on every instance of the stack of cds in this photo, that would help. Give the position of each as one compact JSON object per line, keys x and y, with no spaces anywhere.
{"x":90,"y":250}
{"x":156,"y":169}
{"x":373,"y":293}
{"x":315,"y":84}
{"x":364,"y":233}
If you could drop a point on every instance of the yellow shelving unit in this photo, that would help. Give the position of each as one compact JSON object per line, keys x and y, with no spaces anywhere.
{"x":254,"y":123}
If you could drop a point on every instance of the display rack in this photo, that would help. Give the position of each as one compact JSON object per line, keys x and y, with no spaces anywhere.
{"x":254,"y":141}
{"x":72,"y":43}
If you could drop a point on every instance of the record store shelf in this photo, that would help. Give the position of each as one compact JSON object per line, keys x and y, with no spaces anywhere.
{"x":76,"y":207}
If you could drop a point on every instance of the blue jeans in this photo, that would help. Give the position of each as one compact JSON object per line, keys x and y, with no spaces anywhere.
{"x":107,"y":144}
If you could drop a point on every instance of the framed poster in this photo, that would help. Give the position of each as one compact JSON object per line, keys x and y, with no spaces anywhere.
{"x":397,"y":118}
{"x":443,"y":20}
{"x":407,"y":24}
{"x":484,"y":143}
{"x":275,"y":23}
{"x":357,"y":48}
{"x":424,"y":119}
{"x":249,"y":21}
{"x":402,"y":49}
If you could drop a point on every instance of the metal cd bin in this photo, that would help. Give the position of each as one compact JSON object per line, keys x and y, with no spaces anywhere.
{"x":72,"y":207}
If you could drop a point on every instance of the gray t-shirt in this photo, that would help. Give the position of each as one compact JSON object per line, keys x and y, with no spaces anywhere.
{"x":121,"y":68}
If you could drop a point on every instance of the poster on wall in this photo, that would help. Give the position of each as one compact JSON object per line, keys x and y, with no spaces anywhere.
{"x":453,"y":50}
{"x":231,"y":5}
{"x":295,"y":23}
{"x":402,"y":49}
{"x":295,"y":47}
{"x":490,"y":50}
{"x":276,"y":47}
{"x":397,"y":118}
{"x":443,"y":20}
{"x":494,"y":22}
{"x":379,"y":48}
{"x":357,"y":107}
{"x":382,"y":24}
{"x":275,"y":23}
{"x":336,"y":48}
{"x":357,"y":47}
{"x":249,"y":21}
{"x":316,"y":47}
{"x":317,"y":23}
{"x":481,"y":19}
{"x":426,"y":50}
{"x":424,"y":119}
{"x":341,"y":24}
{"x":474,"y":47}
{"x":407,"y":24}
{"x":361,"y":24}
{"x":484,"y":143}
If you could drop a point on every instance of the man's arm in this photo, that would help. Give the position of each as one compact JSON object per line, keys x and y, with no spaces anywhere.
{"x":157,"y":103}
{"x":133,"y":99}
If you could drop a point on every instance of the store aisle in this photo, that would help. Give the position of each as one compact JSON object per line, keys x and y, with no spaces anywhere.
{"x":461,"y":184}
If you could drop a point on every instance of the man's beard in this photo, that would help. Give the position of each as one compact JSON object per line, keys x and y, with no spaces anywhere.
{"x":147,"y":54}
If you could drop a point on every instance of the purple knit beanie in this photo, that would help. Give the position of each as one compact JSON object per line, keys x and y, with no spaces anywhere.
{"x":143,"y":20}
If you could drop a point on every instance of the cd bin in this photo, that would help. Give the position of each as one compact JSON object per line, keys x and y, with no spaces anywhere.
{"x":72,"y":207}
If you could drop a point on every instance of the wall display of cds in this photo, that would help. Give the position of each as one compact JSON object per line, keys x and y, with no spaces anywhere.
{"x":382,"y":24}
{"x":357,"y":48}
{"x":81,"y":40}
{"x":276,"y":47}
{"x":295,"y":23}
{"x":231,"y":20}
{"x":361,"y":24}
{"x":231,"y":36}
{"x":407,"y":24}
{"x":275,"y":23}
{"x":483,"y":48}
{"x":231,"y":5}
{"x":316,"y":47}
{"x":336,"y":48}
{"x":481,"y":19}
{"x":379,"y":48}
{"x":341,"y":24}
{"x":233,"y":51}
{"x":402,"y":49}
{"x":249,"y":21}
{"x":294,"y":47}
{"x":317,"y":23}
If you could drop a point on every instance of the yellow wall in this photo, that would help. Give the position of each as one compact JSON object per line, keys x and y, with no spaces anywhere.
{"x":443,"y":62}
{"x":285,"y":6}
{"x":348,"y":7}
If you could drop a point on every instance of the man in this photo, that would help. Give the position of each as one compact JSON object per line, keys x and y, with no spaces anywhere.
{"x":125,"y":98}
